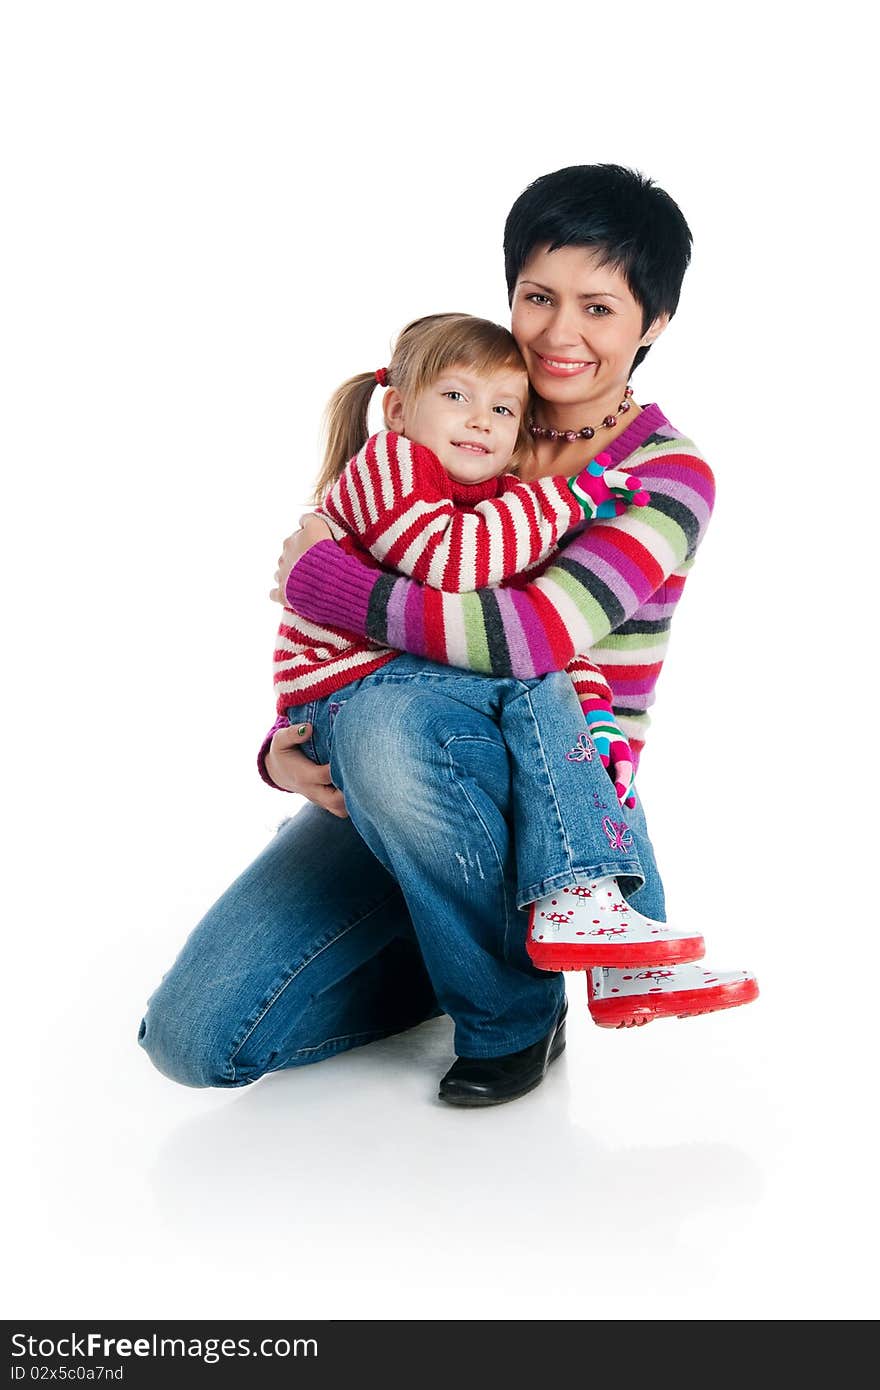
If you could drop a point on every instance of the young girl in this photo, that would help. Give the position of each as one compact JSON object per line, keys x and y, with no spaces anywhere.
{"x":434,"y":497}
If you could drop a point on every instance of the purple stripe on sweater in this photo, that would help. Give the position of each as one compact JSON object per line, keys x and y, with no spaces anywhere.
{"x":521,"y":659}
{"x":694,"y":492}
{"x":541,"y":653}
{"x":634,"y":436}
{"x":655,"y":612}
{"x":328,"y":586}
{"x":617,"y":571}
{"x":635,"y":690}
{"x":640,"y":693}
{"x":414,"y":620}
{"x":395,"y":617}
{"x":636,"y":704}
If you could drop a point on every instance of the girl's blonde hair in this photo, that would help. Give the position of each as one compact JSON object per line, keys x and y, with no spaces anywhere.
{"x":425,"y":349}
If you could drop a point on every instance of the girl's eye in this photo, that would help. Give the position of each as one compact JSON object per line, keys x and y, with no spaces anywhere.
{"x":505,"y":410}
{"x":457,"y":395}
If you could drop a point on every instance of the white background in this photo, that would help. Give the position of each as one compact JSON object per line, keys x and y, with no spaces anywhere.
{"x":213,"y":214}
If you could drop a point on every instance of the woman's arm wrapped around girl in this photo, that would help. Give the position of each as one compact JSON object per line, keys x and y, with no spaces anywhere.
{"x":597,"y":582}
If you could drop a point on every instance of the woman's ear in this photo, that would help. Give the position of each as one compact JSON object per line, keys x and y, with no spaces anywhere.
{"x":655,"y":329}
{"x":392,"y":409}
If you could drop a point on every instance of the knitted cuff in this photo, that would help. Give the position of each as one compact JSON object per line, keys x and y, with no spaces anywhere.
{"x":593,"y":691}
{"x":328,"y":586}
{"x":581,"y":499}
{"x":280,"y":723}
{"x":566,"y":494}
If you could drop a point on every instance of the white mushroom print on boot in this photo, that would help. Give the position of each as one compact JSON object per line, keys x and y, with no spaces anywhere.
{"x":629,"y":998}
{"x":592,"y":924}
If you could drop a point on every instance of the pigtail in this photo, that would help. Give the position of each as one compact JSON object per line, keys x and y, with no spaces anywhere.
{"x":347,"y":428}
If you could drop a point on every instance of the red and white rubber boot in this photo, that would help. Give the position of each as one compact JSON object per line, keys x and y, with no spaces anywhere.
{"x":592,"y":924}
{"x":629,"y":998}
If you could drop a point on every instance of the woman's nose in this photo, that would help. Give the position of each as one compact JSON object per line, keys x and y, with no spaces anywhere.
{"x":564,"y":328}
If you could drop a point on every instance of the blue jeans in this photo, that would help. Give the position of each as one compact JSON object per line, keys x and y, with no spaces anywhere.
{"x":343,"y":931}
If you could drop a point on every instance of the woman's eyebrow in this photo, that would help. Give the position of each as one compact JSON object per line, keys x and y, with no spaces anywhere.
{"x":593,"y":294}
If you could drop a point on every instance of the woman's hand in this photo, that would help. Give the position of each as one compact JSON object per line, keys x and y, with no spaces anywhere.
{"x":311,"y":530}
{"x":293,"y":771}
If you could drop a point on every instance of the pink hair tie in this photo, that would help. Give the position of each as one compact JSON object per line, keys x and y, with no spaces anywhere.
{"x":382,"y":376}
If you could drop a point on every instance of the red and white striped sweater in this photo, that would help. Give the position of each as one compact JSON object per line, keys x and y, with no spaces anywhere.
{"x":398,"y":509}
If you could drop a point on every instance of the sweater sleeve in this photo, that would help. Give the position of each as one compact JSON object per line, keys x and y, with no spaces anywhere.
{"x":590,"y":685}
{"x":598,"y":580}
{"x":396,"y":498}
{"x":280,"y":723}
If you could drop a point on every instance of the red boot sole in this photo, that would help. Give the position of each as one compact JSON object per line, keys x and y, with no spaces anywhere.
{"x":556,"y":955}
{"x":638,"y":1009}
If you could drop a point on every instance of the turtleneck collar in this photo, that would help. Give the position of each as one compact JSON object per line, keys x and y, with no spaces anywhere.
{"x":471,"y":493}
{"x":467,"y":493}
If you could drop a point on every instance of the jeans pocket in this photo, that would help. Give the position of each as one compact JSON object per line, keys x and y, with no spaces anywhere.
{"x":333,"y":708}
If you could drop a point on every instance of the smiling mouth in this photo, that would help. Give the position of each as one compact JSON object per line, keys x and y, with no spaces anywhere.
{"x":470,"y":448}
{"x":564,"y":365}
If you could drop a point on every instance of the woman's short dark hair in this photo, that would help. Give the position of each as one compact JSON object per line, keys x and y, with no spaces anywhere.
{"x":634,"y":225}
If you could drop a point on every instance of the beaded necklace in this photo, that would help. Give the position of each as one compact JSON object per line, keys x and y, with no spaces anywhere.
{"x":588,"y":431}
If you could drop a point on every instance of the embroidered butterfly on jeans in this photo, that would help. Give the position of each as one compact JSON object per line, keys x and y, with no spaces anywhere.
{"x":582,"y":752}
{"x":619,"y":834}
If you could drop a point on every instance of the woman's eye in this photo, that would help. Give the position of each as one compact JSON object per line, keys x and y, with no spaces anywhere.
{"x":602,"y":308}
{"x":537,"y":298}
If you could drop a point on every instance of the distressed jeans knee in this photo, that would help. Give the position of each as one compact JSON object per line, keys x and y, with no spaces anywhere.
{"x":180,"y":1050}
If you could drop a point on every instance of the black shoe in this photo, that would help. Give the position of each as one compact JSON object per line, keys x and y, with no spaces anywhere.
{"x":492,"y":1080}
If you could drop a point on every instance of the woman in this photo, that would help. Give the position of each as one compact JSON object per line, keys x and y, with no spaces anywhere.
{"x":312,"y":950}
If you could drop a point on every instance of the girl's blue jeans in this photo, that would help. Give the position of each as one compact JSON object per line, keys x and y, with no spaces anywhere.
{"x":464,"y":806}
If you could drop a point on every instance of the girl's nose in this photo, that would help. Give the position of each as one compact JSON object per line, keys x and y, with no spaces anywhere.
{"x":480,"y":417}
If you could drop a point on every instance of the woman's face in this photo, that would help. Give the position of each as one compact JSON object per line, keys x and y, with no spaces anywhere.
{"x":578,"y":328}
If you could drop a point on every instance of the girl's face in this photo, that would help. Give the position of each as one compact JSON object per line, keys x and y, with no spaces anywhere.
{"x":470,"y":422}
{"x":578,"y":327}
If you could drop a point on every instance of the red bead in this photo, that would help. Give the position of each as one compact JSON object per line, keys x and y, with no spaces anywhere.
{"x":570,"y":436}
{"x":609,"y":421}
{"x":628,"y":392}
{"x":623,"y":407}
{"x":588,"y":432}
{"x":553,"y":434}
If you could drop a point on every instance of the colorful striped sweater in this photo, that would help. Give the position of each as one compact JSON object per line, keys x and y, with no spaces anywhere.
{"x":608,"y":594}
{"x":395,"y":499}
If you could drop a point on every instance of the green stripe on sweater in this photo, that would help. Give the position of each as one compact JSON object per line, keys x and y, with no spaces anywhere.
{"x":633,"y":641}
{"x":665,"y":526}
{"x":661,"y":448}
{"x":581,"y":597}
{"x":475,"y":633}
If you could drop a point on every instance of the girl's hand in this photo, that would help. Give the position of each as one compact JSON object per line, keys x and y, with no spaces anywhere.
{"x":293,"y":771}
{"x":603,"y":491}
{"x":615,"y":752}
{"x":311,"y":530}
